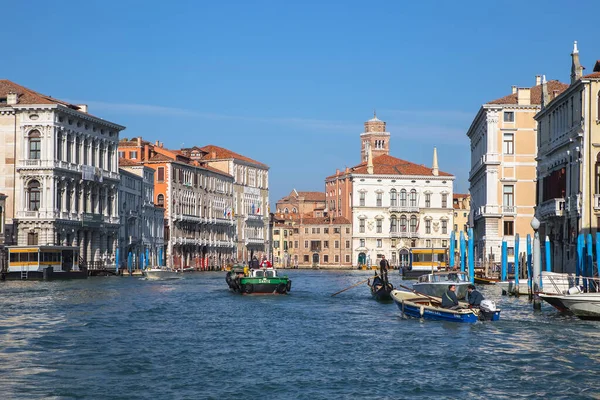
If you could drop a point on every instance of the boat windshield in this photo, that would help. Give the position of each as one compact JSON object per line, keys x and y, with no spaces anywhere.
{"x":258,"y":274}
{"x":270,"y":274}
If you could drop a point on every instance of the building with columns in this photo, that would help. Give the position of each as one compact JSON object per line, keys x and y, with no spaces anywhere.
{"x":568,"y":169}
{"x":251,"y":196}
{"x":142,"y":223}
{"x":60,"y":174}
{"x":394,"y":205}
{"x":503,"y":138}
{"x":198,"y":204}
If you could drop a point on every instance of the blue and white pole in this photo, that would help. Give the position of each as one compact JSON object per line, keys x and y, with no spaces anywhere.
{"x":471,"y":256}
{"x":529,"y":269}
{"x":548,"y":255}
{"x":517,"y":264}
{"x":504,"y":260}
{"x":451,"y":251}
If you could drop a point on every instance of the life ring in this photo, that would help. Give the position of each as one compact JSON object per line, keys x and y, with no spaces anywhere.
{"x":288,"y":286}
{"x":281,"y":288}
{"x":249,"y":288}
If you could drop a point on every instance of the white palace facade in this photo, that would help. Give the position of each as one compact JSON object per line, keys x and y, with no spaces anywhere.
{"x":60,"y":174}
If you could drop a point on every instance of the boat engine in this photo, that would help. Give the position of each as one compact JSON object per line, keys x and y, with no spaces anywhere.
{"x":487,"y":309}
{"x":487,"y":306}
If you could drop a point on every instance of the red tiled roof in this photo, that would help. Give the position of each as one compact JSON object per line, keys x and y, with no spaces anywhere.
{"x":309,"y":196}
{"x":593,"y":75}
{"x":536,"y":93}
{"x":158,"y":157}
{"x":127,"y":163}
{"x":28,"y":96}
{"x":132,"y":142}
{"x":221,"y":153}
{"x":388,"y":165}
{"x":460,"y":195}
{"x":324,"y":220}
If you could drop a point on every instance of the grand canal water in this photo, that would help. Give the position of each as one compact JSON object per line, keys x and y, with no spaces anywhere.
{"x":127,"y":338}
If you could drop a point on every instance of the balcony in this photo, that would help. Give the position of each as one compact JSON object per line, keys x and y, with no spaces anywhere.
{"x":404,"y":234}
{"x":597,"y":202}
{"x":551,"y":208}
{"x":487,"y":211}
{"x":255,"y":241}
{"x":486,"y":159}
{"x":509,"y":210}
{"x":404,"y":209}
{"x":254,"y":218}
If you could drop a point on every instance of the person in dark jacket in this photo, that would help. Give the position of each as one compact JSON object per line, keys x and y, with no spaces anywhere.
{"x":449,"y":299}
{"x":384,"y":266}
{"x":475,"y":298}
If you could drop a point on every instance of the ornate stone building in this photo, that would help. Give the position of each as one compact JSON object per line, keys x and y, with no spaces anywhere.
{"x":60,"y":173}
{"x":251,"y":196}
{"x":142,"y":223}
{"x":503,"y":140}
{"x":568,"y":169}
{"x":394,"y":205}
{"x":198,"y":203}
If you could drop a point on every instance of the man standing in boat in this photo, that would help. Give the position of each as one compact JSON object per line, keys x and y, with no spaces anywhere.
{"x":265,"y":262}
{"x":449,"y":299}
{"x":384,"y":265}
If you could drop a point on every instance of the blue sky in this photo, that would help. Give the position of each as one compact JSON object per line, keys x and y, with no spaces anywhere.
{"x":290,"y":83}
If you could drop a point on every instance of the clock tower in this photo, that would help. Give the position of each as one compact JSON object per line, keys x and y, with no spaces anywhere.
{"x":374,"y":137}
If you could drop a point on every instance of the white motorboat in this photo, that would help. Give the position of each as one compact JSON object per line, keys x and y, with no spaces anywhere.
{"x":437,"y":283}
{"x":552,"y":283}
{"x":583,"y":305}
{"x":161,"y":273}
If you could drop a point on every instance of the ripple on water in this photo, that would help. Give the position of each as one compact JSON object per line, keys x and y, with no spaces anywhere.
{"x":192,"y":338}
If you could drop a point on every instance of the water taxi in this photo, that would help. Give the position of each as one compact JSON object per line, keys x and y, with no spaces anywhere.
{"x":244,"y":280}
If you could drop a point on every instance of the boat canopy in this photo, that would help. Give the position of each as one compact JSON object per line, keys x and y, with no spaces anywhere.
{"x":444,"y":277}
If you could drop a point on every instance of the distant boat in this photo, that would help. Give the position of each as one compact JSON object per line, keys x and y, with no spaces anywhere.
{"x":379,"y":290}
{"x":436,"y":284}
{"x":415,"y":305}
{"x":575,"y":301}
{"x":160,"y":273}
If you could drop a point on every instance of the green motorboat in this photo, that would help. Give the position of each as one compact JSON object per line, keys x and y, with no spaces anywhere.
{"x":244,"y":280}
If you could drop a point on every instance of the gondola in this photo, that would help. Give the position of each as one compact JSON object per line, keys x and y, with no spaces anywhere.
{"x":380,"y":290}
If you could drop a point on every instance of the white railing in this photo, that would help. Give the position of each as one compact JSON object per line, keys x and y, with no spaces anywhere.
{"x":551,"y":208}
{"x":509,"y":209}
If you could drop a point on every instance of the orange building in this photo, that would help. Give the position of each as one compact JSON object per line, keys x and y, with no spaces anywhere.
{"x":198,"y":201}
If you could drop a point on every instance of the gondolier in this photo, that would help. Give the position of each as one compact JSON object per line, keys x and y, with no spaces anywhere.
{"x":384,"y":265}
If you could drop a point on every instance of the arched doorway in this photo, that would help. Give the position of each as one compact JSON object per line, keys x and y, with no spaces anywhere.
{"x":315,"y":258}
{"x":362,"y":259}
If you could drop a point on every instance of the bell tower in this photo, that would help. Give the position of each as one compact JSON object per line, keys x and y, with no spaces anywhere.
{"x":374,"y":138}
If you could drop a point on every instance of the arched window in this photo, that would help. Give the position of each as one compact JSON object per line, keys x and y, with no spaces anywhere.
{"x":403,"y":198}
{"x":393,"y":198}
{"x":403,"y":223}
{"x":413,"y":198}
{"x":33,"y":195}
{"x":160,"y":200}
{"x":294,"y":211}
{"x":393,"y":224}
{"x":286,"y":211}
{"x":35,"y":145}
{"x":413,"y":224}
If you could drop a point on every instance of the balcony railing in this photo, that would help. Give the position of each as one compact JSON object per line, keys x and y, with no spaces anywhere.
{"x":551,"y":208}
{"x":509,"y":209}
{"x":404,"y":234}
{"x":408,"y":209}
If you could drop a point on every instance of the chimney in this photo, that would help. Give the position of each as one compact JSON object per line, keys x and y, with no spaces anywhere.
{"x":157,"y":143}
{"x":83,"y":107}
{"x":12,"y":98}
{"x":554,"y":94}
{"x":538,"y":80}
{"x":524,"y":96}
{"x":576,"y":68}
{"x":213,"y":155}
{"x":545,"y":97}
{"x":434,"y":168}
{"x":514,"y":89}
{"x":139,"y":141}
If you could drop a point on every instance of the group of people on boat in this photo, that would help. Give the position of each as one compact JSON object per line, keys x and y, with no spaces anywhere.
{"x":450,"y":301}
{"x":264,"y":263}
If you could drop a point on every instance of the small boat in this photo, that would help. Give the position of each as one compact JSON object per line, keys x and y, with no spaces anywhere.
{"x":244,"y":280}
{"x":555,"y":300}
{"x":435,"y":284}
{"x":160,"y":273}
{"x":415,"y":305}
{"x":380,"y":290}
{"x":582,"y":305}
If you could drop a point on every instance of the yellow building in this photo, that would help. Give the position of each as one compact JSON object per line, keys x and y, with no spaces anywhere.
{"x":503,"y":139}
{"x":569,"y":164}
